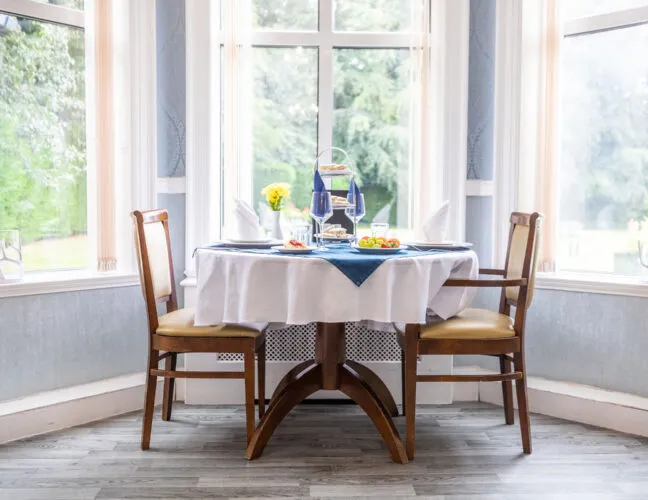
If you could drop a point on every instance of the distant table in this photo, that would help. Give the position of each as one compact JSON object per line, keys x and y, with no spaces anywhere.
{"x":243,"y":287}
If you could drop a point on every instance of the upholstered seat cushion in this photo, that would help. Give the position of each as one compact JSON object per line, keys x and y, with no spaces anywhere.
{"x":471,"y":324}
{"x":180,"y":323}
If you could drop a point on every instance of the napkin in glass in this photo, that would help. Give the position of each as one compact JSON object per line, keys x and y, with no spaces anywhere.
{"x":246,"y":222}
{"x":435,"y":228}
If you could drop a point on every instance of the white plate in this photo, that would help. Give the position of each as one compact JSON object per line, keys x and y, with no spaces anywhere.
{"x":348,"y":237}
{"x":335,"y":173}
{"x":237,"y":241}
{"x":249,"y":244}
{"x":379,"y":251}
{"x":293,"y":251}
{"x":446,"y":245}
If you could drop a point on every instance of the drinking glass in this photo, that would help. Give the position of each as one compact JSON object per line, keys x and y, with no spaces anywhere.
{"x":379,"y":229}
{"x":321,"y":210}
{"x":302,"y":233}
{"x":355,"y":211}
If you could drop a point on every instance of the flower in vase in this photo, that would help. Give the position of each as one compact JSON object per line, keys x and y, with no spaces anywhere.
{"x":276,"y":194}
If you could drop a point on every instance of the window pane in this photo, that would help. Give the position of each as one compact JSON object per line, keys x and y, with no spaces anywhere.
{"x":373,"y":15}
{"x":42,"y":142}
{"x":295,"y":15}
{"x":371,"y":122}
{"x":583,"y":8}
{"x":72,"y":4}
{"x":604,"y":163}
{"x":284,"y":123}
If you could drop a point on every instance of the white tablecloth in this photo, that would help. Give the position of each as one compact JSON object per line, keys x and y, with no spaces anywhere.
{"x":240,"y":287}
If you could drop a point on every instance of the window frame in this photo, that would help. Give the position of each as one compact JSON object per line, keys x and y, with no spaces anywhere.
{"x":135,"y":140}
{"x":444,"y":175}
{"x":519,"y":34}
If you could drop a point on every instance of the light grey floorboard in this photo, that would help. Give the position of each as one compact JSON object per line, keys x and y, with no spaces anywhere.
{"x":464,"y":451}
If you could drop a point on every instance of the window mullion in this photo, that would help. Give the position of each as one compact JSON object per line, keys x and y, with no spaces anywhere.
{"x":325,"y":90}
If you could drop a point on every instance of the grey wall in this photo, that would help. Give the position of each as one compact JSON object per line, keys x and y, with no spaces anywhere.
{"x":59,"y":340}
{"x":63,"y":339}
{"x":586,"y":338}
{"x":171,"y":91}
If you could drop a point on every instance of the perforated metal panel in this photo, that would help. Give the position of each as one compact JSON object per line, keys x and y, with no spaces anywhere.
{"x":297,"y":343}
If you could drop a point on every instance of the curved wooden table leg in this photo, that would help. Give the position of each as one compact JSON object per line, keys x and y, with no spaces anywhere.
{"x":305,"y":384}
{"x":377,"y":386}
{"x":361,"y":392}
{"x":290,"y":377}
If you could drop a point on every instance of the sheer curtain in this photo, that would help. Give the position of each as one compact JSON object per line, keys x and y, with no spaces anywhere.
{"x":105,"y":135}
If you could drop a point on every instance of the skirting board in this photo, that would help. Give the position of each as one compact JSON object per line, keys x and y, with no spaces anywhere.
{"x":63,"y":408}
{"x":574,"y":402}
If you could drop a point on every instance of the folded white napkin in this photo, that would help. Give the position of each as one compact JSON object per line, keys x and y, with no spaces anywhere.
{"x":246,"y":222}
{"x":435,"y":228}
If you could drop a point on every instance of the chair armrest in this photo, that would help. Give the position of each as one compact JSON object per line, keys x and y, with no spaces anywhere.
{"x":496,"y":272}
{"x":486,"y":282}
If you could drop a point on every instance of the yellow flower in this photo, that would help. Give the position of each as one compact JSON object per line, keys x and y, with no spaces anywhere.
{"x":275,"y":194}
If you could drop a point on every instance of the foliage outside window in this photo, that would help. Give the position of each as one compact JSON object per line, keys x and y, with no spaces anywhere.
{"x":603,"y":174}
{"x":370,"y":115}
{"x":43,"y":140}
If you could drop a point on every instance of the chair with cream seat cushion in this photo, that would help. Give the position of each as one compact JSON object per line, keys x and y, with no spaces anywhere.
{"x":174,"y":332}
{"x":479,"y":331}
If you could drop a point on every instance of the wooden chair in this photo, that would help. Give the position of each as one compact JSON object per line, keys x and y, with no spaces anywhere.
{"x":174,"y":332}
{"x":478,"y":331}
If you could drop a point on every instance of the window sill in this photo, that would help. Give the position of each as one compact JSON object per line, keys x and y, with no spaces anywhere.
{"x":593,"y":283}
{"x":66,"y":281}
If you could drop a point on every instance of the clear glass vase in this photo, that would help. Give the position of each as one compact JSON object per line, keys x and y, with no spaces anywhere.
{"x":11,"y":260}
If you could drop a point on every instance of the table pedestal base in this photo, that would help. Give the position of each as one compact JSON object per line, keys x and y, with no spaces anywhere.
{"x":331,"y":371}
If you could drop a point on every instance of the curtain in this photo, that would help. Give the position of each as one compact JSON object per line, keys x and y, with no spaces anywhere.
{"x":105,"y":139}
{"x":546,"y":191}
{"x":420,"y":103}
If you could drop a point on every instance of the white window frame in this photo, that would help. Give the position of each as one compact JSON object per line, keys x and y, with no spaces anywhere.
{"x":444,"y":179}
{"x":135,"y":141}
{"x":517,"y":41}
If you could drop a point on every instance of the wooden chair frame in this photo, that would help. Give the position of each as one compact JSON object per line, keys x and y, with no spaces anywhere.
{"x":164,"y":347}
{"x":413,"y":346}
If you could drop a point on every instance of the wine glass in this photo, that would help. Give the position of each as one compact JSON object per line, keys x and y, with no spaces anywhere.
{"x":355,"y":211}
{"x":321,"y":210}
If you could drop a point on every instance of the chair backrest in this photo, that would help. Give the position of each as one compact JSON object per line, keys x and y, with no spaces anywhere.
{"x":153,"y":247}
{"x":521,"y":259}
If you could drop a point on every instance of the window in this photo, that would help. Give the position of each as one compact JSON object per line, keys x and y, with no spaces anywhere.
{"x":320,"y":78}
{"x":603,"y":171}
{"x":43,"y":192}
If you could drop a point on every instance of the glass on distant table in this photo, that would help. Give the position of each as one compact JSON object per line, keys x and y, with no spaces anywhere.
{"x":321,"y":210}
{"x":379,"y":230}
{"x":302,"y":233}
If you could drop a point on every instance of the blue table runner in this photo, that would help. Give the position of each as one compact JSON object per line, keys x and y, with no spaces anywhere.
{"x":354,"y":265}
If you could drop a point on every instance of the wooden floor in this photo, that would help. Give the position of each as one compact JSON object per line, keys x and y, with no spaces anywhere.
{"x":464,"y":451}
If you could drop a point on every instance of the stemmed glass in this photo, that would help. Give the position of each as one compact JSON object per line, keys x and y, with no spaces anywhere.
{"x":321,"y":210}
{"x":355,"y":211}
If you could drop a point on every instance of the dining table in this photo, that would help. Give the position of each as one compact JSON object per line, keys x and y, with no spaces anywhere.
{"x":331,"y":287}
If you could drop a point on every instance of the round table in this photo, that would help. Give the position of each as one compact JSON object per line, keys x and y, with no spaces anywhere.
{"x":244,"y":287}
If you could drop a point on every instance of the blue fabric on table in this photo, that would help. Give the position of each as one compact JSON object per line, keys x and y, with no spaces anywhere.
{"x":354,"y":265}
{"x":354,"y":195}
{"x":318,"y":182}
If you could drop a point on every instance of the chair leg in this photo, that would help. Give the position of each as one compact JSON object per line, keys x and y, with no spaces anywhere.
{"x":523,"y":405}
{"x":169,"y":385}
{"x":261,"y":379}
{"x":507,"y":392}
{"x":149,"y":400}
{"x":248,"y":360}
{"x":411,"y":341}
{"x":403,"y":391}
